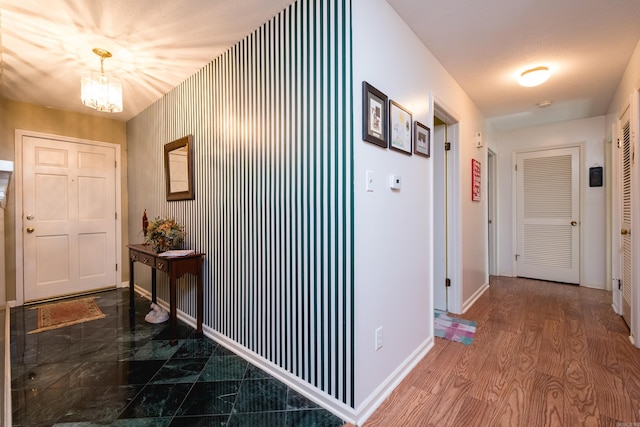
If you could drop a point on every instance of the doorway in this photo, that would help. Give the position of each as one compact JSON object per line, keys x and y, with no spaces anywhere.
{"x":548,"y":214}
{"x":492,"y":206}
{"x":446,"y":216}
{"x":626,"y":188}
{"x":67,"y":216}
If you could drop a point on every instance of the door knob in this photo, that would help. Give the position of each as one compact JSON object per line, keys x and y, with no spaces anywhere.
{"x":574,"y":223}
{"x":30,"y":217}
{"x":30,"y":230}
{"x":624,"y":231}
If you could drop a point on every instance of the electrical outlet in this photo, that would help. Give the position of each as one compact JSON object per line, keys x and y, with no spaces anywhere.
{"x":379,"y":338}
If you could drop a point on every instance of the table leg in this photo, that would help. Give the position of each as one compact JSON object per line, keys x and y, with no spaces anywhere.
{"x":172,"y":308}
{"x":132,"y":308}
{"x":153,"y":286}
{"x":200,"y":299}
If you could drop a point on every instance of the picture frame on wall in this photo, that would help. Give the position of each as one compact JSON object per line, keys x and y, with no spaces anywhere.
{"x":399,"y":128}
{"x":421,"y":140}
{"x":476,"y":173}
{"x":374,"y":115}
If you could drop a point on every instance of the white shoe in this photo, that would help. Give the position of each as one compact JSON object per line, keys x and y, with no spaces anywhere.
{"x":157,"y":314}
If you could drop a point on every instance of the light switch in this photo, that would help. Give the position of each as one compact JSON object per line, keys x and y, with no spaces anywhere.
{"x":369,"y":183}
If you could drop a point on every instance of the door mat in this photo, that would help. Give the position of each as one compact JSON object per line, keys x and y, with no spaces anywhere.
{"x":454,"y":329}
{"x":66,"y":313}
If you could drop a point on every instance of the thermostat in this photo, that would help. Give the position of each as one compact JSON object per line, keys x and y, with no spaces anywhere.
{"x":395,"y":182}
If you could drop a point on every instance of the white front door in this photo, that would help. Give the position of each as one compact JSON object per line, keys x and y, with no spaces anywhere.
{"x":68,"y":217}
{"x":548,"y":215}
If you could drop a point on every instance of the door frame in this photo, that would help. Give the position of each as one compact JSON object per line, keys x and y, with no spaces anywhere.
{"x":454,"y":219}
{"x":633,"y":105}
{"x":18,"y":179}
{"x":634,"y":123}
{"x":492,"y":207}
{"x":514,"y":203}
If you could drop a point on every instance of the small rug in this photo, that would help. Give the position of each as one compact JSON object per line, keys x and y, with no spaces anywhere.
{"x":454,"y":329}
{"x":67,"y":313}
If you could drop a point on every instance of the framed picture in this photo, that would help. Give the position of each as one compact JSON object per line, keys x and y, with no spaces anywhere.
{"x":422,"y":140}
{"x":374,"y":115}
{"x":476,"y":172}
{"x":399,"y":128}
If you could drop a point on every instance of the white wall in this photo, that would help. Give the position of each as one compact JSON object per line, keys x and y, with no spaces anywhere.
{"x":591,"y":132}
{"x":393,"y":229}
{"x":630,"y":81}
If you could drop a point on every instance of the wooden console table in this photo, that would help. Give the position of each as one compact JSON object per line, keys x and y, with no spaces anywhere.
{"x":175,"y":267}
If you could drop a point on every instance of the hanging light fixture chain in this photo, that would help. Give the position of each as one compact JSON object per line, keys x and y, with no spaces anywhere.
{"x":102,"y":92}
{"x":102,"y":53}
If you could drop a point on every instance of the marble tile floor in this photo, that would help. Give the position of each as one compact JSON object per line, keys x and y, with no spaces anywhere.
{"x":109,"y":372}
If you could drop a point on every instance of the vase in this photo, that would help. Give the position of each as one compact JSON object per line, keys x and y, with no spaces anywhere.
{"x":160,"y":245}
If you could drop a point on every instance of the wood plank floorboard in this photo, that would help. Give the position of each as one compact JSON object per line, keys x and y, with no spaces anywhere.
{"x":544,"y":354}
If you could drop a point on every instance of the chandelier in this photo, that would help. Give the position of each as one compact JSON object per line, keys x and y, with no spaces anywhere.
{"x":99,"y":90}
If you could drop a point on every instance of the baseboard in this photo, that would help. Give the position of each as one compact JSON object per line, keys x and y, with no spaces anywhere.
{"x":341,"y":410}
{"x":298,"y":384}
{"x":12,"y":303}
{"x":468,"y":303}
{"x":594,"y":286}
{"x":310,"y":392}
{"x":375,"y":399}
{"x":615,"y":309}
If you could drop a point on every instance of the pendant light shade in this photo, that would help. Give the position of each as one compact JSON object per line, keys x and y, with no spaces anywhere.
{"x":99,"y":90}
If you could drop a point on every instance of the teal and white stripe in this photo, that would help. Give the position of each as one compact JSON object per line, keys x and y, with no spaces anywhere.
{"x":272,"y":126}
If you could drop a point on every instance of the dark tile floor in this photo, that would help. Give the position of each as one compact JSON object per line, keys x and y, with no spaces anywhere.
{"x":110,"y":372}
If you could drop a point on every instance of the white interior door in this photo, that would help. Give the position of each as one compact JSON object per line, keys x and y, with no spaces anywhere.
{"x":625,"y":218}
{"x":440,"y":264}
{"x":69,"y":224}
{"x":548,"y":215}
{"x":491,"y":207}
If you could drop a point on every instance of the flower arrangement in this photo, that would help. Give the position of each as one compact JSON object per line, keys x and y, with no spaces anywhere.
{"x":164,"y":234}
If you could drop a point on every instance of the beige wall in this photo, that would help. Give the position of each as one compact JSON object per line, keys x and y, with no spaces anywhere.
{"x":22,"y":116}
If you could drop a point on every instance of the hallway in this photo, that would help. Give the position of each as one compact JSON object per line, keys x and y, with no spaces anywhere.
{"x":545,"y":354}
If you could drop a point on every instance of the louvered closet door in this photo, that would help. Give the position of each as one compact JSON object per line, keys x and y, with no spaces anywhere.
{"x":548,"y":237}
{"x":625,"y":221}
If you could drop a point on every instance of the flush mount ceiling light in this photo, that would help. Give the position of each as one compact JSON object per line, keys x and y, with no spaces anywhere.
{"x":534,"y":76}
{"x":99,"y":90}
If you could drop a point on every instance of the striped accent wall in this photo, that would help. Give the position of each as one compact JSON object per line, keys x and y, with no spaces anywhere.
{"x":272,"y":125}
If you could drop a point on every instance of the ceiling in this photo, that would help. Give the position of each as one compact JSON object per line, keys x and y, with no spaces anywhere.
{"x":156,"y":45}
{"x":484,"y":44}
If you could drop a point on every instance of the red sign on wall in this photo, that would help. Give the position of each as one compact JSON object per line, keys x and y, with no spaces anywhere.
{"x":475,"y":180}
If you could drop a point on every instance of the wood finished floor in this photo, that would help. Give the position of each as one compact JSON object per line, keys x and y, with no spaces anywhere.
{"x":545,"y":354}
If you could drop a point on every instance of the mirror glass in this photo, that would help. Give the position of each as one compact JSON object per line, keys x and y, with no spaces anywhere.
{"x":178,"y":166}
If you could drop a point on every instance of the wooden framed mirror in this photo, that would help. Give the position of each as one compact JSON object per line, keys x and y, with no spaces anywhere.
{"x":178,"y":169}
